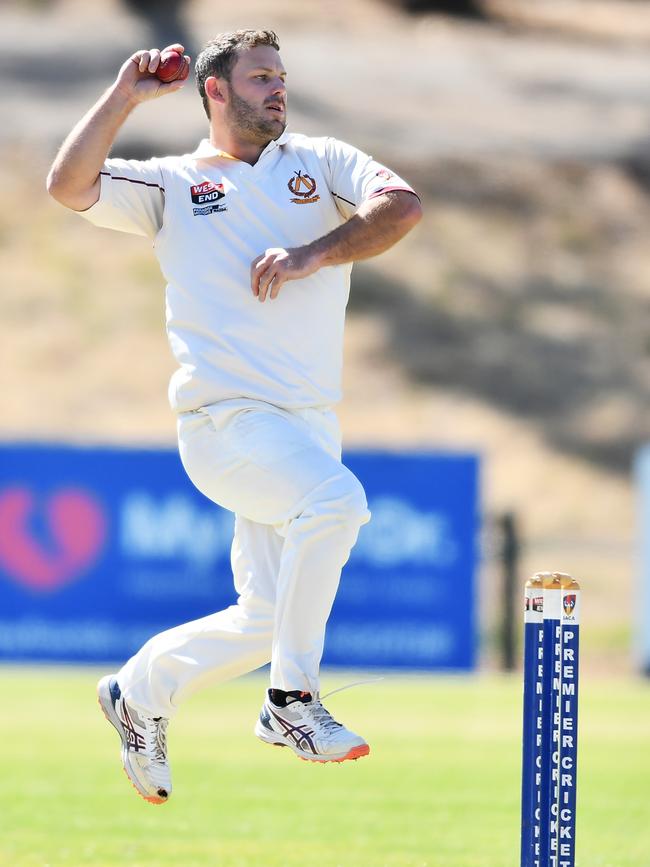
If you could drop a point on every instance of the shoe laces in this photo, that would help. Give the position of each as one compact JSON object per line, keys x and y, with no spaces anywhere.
{"x":157,"y":738}
{"x":322,"y":716}
{"x":349,"y":686}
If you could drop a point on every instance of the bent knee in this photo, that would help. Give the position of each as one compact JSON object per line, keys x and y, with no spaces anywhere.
{"x":356,"y":504}
{"x":343,"y":499}
{"x":254,"y":608}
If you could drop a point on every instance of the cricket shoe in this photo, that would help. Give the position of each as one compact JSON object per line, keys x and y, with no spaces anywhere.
{"x":144,"y":743}
{"x":308,"y":728}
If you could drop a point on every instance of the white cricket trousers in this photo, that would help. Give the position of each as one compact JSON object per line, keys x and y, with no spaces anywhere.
{"x":298,"y":513}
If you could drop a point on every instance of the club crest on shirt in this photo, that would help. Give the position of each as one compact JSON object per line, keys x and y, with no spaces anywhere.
{"x":206,"y":195}
{"x":303,"y":188}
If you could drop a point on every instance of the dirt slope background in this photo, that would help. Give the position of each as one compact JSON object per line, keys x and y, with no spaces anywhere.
{"x":513,"y":321}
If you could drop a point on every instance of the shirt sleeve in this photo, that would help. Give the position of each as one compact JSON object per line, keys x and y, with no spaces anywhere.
{"x":357,"y":177}
{"x":132,"y":197}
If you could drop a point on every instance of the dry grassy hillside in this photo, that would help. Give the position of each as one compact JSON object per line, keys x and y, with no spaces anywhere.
{"x":513,"y":321}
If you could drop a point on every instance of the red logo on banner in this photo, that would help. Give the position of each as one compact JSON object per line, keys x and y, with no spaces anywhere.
{"x":75,"y":527}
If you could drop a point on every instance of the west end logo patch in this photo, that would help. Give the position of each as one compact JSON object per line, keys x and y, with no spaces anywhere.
{"x":207,"y":195}
{"x":303,"y":188}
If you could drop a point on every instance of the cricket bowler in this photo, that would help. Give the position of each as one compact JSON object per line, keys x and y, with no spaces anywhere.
{"x":255,"y":232}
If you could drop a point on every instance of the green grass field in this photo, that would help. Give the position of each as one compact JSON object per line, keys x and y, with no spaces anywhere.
{"x":440,"y":788}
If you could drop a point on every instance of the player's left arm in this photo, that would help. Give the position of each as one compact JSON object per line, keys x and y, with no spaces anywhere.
{"x":379,"y":222}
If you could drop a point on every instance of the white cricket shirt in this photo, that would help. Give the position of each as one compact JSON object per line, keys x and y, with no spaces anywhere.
{"x":209,"y":216}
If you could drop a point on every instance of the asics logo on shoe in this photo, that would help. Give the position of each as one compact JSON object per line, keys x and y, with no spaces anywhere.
{"x":300,"y":735}
{"x":135,"y":741}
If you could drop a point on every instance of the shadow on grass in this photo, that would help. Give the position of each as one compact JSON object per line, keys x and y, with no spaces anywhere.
{"x":545,"y":379}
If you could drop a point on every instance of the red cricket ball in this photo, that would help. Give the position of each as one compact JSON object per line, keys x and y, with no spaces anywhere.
{"x":172,"y":64}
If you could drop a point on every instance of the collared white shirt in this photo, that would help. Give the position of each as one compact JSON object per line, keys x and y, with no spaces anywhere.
{"x":209,"y":216}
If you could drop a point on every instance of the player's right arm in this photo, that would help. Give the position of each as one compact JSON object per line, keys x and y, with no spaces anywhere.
{"x":74,"y":179}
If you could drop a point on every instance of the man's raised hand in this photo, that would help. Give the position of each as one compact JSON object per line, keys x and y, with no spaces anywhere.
{"x":137,"y":78}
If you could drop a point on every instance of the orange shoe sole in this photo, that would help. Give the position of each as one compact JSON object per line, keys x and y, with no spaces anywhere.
{"x":354,"y":754}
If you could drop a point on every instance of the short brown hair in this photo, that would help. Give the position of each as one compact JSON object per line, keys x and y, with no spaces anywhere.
{"x":220,"y":54}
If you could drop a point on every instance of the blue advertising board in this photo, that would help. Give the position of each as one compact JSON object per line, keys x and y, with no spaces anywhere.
{"x":101,"y":548}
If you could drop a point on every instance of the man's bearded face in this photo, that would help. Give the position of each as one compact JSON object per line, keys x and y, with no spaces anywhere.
{"x":255,"y":122}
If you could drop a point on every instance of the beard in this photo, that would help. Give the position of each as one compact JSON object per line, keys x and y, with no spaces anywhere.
{"x":249,"y":122}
